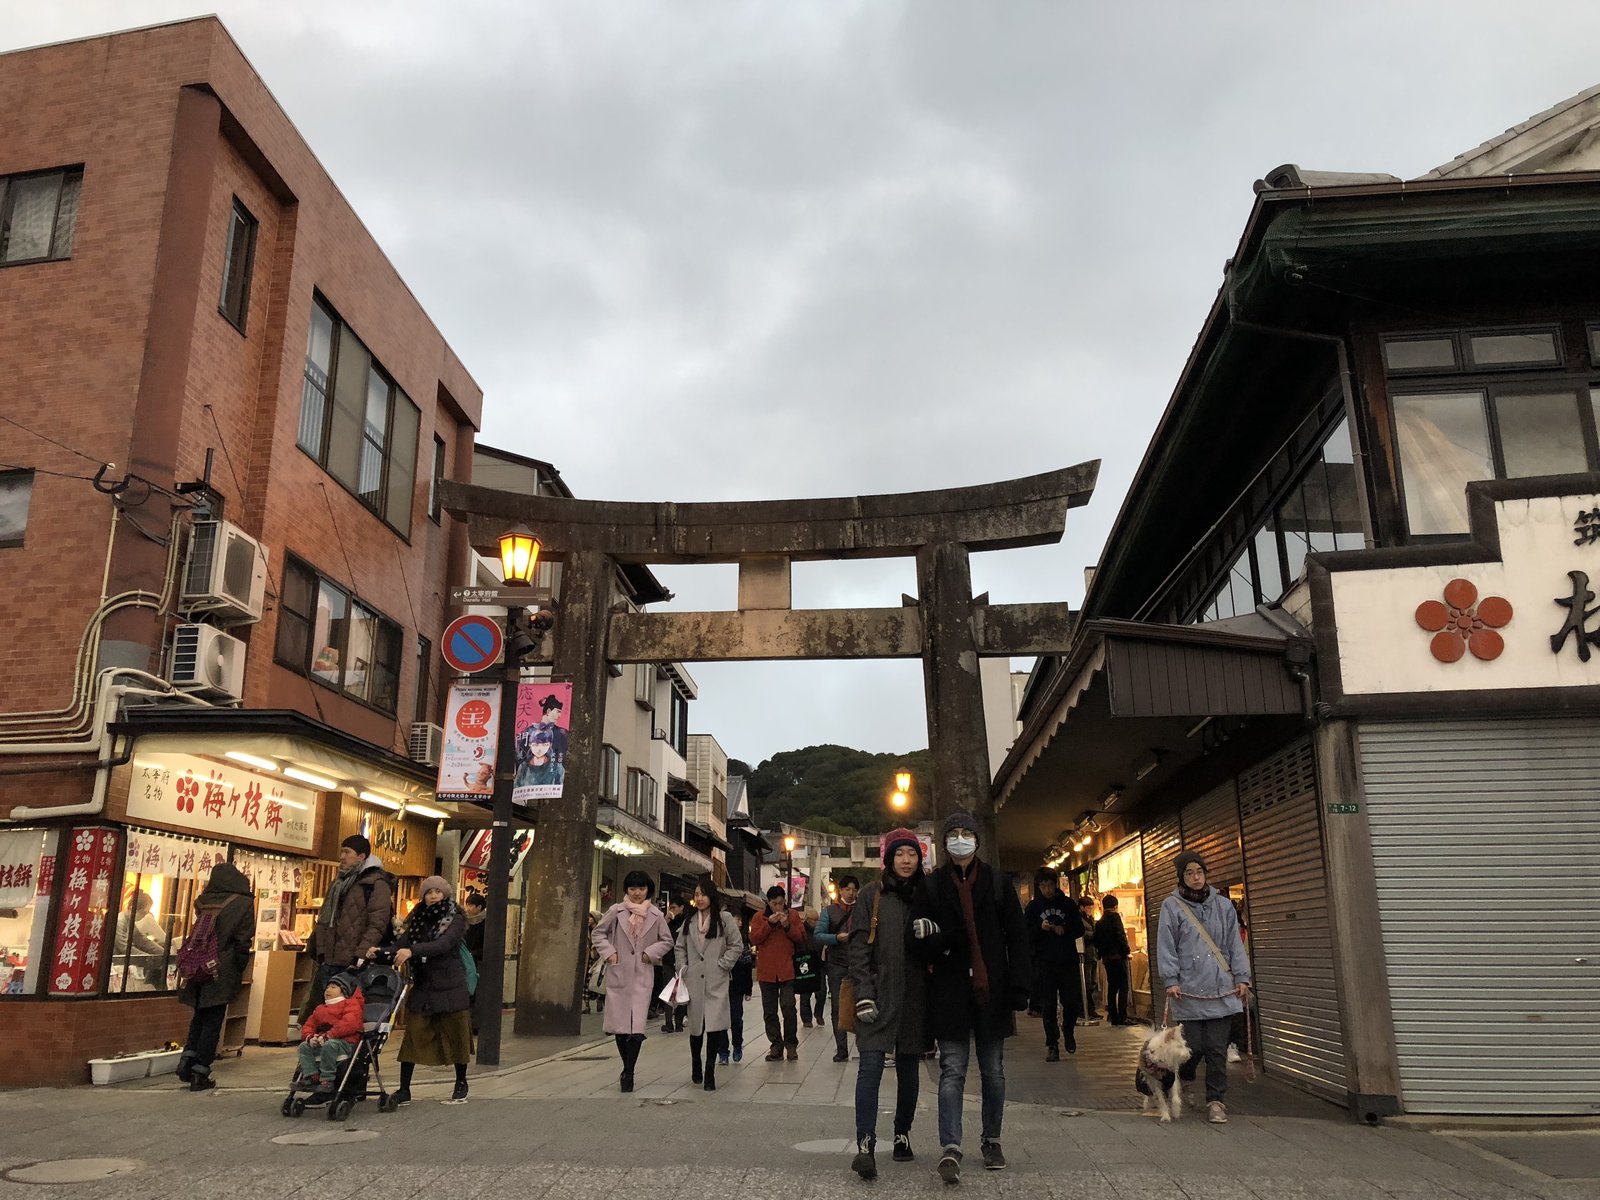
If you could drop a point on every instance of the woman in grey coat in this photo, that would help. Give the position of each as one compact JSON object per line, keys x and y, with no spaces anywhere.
{"x":708,"y":947}
{"x":890,"y":997}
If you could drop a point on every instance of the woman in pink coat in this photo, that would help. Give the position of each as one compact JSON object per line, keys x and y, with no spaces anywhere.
{"x":632,"y":938}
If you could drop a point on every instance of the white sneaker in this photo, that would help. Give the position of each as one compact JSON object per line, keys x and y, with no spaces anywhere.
{"x":1216,"y":1113}
{"x":1233,"y":1053}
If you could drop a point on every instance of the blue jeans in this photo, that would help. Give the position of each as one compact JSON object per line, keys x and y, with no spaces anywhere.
{"x":869,"y":1075}
{"x":736,"y":1013}
{"x":953,"y":1081}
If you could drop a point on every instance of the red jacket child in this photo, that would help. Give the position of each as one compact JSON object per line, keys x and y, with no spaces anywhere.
{"x":341,"y":1021}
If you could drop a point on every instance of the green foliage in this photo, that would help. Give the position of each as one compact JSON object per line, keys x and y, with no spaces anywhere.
{"x":738,"y":767}
{"x":838,"y":790}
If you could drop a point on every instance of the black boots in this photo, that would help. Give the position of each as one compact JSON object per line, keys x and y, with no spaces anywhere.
{"x":695,"y":1043}
{"x":716,"y":1044}
{"x":628,"y":1047}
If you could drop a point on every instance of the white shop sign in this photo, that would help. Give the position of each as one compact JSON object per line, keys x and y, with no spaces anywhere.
{"x":1531,"y":620}
{"x":224,"y":802}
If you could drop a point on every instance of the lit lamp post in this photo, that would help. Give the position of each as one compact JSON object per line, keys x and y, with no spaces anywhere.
{"x":788,"y":870}
{"x":519,"y":558}
{"x":902,"y":791}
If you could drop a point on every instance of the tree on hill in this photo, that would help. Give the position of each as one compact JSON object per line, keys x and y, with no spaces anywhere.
{"x":847,"y":789}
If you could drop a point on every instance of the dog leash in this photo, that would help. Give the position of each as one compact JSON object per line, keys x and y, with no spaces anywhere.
{"x":1250,"y":1031}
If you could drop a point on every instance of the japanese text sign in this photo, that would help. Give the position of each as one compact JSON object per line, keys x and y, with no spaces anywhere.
{"x":19,"y":866}
{"x":155,"y":854}
{"x":471,"y":741}
{"x":81,"y":932}
{"x":221,"y":801}
{"x":267,"y":873}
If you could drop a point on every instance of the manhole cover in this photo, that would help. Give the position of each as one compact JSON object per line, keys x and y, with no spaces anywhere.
{"x":665,"y":1103}
{"x":826,"y":1146}
{"x":71,"y":1170}
{"x":326,"y":1137}
{"x":1069,"y":1112}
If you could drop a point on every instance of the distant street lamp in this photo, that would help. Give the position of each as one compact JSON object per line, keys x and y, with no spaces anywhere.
{"x":519,"y":559}
{"x":788,"y":870}
{"x":902,"y":791}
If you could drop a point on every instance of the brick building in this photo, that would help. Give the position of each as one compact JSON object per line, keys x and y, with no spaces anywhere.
{"x":224,"y":573}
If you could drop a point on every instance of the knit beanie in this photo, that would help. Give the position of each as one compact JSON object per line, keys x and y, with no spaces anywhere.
{"x":958,"y":820}
{"x":357,"y":843}
{"x":435,"y":883}
{"x":345,"y":982}
{"x":896,"y":838}
{"x":1183,"y":860}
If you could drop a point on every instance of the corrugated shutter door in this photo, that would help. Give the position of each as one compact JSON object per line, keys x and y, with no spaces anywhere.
{"x":1211,"y":830}
{"x":1291,"y":943}
{"x":1486,"y":844}
{"x":1161,"y":846}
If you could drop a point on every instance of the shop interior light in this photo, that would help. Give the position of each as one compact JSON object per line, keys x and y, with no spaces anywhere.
{"x":384,"y":801}
{"x":250,"y":760}
{"x":321,"y":781}
{"x":423,"y":810}
{"x":1143,"y":766}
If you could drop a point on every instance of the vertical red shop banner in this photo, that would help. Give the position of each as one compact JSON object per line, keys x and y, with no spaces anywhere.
{"x":81,"y":932}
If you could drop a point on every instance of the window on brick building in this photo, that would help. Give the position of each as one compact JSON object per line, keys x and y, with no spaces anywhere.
{"x":16,"y":494}
{"x":26,"y":856}
{"x":356,"y":422}
{"x":38,"y":215}
{"x":237,"y":264}
{"x":326,"y":634}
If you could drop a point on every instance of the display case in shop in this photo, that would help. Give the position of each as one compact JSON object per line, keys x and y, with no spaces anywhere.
{"x":1121,"y":874}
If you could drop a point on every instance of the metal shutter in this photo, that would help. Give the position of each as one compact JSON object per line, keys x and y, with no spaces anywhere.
{"x":1486,"y":844}
{"x":1211,"y":830}
{"x":1291,"y":944}
{"x":1161,"y":846}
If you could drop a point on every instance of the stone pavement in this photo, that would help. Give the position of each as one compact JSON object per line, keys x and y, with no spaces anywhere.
{"x":556,"y":1128}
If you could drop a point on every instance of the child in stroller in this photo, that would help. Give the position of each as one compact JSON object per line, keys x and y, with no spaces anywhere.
{"x":343,"y":1039}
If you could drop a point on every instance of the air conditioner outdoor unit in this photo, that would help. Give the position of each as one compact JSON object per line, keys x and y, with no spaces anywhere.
{"x":426,"y":744}
{"x":207,"y":661}
{"x":226,"y":576}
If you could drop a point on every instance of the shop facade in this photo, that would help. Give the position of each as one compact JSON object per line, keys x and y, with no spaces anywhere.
{"x":1343,"y":638}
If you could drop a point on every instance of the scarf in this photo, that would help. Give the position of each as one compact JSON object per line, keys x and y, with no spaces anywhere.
{"x":428,"y":922}
{"x":900,"y":887}
{"x":702,"y":924}
{"x":980,"y":970}
{"x":335,"y":897}
{"x":636,"y":915}
{"x":1192,"y":896}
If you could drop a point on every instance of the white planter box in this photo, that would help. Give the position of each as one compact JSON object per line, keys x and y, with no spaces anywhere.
{"x":164,"y":1062}
{"x":118,"y":1070}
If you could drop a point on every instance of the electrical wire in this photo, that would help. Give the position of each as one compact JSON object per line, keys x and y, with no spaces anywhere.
{"x":44,"y":471}
{"x":44,"y":437}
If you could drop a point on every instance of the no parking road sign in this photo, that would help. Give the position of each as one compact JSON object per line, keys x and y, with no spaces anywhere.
{"x":472,"y":643}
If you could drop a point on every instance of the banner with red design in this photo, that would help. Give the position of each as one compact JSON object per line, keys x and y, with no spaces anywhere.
{"x":19,"y":866}
{"x":81,"y":930}
{"x":218,"y":801}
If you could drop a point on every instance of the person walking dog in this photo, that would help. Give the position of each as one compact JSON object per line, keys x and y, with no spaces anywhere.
{"x":632,"y":937}
{"x":1206,"y":972}
{"x":967,"y":924}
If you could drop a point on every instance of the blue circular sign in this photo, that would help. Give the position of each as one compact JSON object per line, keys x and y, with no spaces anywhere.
{"x":472,"y":643}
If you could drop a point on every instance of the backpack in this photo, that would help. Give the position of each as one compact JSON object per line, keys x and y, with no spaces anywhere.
{"x":471,"y":964}
{"x":198,"y":956}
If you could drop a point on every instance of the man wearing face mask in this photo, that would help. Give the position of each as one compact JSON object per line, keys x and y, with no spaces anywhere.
{"x":968,"y":926}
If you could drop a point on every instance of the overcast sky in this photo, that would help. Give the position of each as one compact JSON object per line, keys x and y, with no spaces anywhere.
{"x":697,"y":250}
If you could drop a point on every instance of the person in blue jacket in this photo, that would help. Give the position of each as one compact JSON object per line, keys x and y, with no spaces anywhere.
{"x":1207,"y":975}
{"x":832,"y":934}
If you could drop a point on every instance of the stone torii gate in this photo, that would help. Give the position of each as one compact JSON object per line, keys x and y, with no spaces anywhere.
{"x":944,"y":626}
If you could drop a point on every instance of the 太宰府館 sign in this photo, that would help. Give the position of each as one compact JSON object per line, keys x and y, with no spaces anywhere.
{"x":1531,"y":620}
{"x":224,"y":802}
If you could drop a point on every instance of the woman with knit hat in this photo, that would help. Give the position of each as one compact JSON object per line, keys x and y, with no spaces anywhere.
{"x":890,"y":997}
{"x":1203,"y":964}
{"x":438,"y":1006}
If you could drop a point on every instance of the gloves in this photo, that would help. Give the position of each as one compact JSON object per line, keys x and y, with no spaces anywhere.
{"x":866,"y":1011}
{"x":923,"y":928}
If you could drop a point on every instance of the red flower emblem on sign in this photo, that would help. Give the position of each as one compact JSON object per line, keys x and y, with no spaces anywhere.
{"x":1463,"y":622}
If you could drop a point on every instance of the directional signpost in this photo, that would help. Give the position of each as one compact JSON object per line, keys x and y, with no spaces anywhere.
{"x":500,"y":597}
{"x":472,"y":643}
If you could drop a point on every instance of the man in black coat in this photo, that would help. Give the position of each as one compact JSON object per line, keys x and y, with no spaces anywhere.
{"x":1111,"y":943}
{"x":1053,"y":930}
{"x":967,"y":925}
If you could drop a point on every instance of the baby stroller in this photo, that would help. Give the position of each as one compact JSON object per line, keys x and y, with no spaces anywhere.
{"x":383,"y":991}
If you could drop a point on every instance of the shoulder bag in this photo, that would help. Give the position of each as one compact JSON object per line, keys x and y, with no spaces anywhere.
{"x":846,"y":1012}
{"x":1222,"y":960}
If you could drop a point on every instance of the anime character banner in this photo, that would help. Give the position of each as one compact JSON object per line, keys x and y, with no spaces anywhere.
{"x":471,"y":740}
{"x":543,"y":723}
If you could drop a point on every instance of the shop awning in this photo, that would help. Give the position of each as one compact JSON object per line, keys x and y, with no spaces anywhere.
{"x":706,"y":834}
{"x":678,"y":858}
{"x":1131,"y":709}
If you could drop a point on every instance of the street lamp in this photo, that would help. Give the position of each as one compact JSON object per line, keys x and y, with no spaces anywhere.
{"x":902,"y":791}
{"x":788,"y":870}
{"x":519,"y":558}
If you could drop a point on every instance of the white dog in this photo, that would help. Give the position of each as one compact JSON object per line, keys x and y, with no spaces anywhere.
{"x":1157,"y":1078}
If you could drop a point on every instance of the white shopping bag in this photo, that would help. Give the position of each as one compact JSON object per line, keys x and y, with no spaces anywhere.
{"x":676,"y":992}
